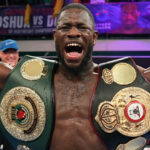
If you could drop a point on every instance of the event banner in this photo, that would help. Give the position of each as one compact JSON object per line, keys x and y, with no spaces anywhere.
{"x":111,"y":18}
{"x":41,"y":21}
{"x":122,"y":18}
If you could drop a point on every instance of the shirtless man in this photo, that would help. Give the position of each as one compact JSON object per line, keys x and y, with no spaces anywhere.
{"x":74,"y":81}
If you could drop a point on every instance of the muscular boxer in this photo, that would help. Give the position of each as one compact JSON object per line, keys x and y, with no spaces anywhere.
{"x":75,"y":79}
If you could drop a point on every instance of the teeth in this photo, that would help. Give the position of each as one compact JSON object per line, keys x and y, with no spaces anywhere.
{"x":73,"y":44}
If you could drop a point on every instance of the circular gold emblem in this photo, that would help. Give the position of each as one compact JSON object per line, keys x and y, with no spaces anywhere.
{"x":123,"y":73}
{"x":23,"y":113}
{"x":128,"y":112}
{"x":32,"y":69}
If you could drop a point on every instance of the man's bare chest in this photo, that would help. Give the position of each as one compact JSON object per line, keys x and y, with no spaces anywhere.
{"x":73,"y":98}
{"x":72,"y":117}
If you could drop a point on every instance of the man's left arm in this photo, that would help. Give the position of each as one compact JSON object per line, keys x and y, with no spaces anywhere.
{"x":4,"y":72}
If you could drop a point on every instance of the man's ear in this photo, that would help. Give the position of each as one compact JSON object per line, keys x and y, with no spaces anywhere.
{"x":95,"y":37}
{"x":54,"y":35}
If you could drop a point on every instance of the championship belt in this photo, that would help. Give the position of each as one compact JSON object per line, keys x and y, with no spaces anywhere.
{"x":120,"y":110}
{"x":26,"y":104}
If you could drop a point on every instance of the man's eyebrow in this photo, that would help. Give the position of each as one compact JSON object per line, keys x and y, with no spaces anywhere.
{"x":67,"y":23}
{"x":81,"y":24}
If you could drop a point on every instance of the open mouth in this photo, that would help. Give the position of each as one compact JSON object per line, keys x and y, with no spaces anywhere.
{"x":73,"y":50}
{"x":73,"y":47}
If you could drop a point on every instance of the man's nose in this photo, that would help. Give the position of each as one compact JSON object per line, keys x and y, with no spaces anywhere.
{"x":74,"y":33}
{"x":11,"y":54}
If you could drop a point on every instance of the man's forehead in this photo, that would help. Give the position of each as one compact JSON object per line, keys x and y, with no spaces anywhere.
{"x":73,"y":13}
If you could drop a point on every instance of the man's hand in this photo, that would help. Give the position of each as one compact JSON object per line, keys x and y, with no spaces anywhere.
{"x":4,"y":72}
{"x":145,"y":72}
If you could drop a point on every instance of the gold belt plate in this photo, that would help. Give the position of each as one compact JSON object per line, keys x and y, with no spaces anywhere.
{"x":128,"y":112}
{"x":23,"y":114}
{"x":120,"y":73}
{"x":33,"y":69}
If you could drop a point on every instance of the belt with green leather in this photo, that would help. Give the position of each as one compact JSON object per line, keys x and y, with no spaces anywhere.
{"x":26,"y":104}
{"x":120,"y":106}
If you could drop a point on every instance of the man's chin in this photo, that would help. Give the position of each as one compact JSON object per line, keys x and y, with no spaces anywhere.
{"x":73,"y":64}
{"x":73,"y":68}
{"x":12,"y":64}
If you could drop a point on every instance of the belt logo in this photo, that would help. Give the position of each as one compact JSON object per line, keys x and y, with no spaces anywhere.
{"x":135,"y":111}
{"x":23,"y":113}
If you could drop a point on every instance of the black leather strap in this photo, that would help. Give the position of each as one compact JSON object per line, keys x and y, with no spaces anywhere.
{"x":106,"y":92}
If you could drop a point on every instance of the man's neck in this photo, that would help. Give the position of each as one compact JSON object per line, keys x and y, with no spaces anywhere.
{"x":81,"y":74}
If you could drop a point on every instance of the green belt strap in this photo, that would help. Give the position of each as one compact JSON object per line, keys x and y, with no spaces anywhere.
{"x":27,"y":104}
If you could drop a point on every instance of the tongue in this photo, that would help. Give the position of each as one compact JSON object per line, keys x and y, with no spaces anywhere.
{"x":73,"y":55}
